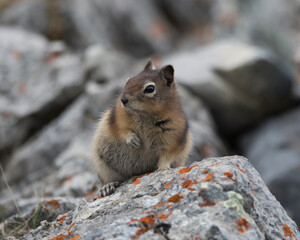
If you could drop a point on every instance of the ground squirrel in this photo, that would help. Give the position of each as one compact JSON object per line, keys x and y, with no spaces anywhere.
{"x":146,"y":130}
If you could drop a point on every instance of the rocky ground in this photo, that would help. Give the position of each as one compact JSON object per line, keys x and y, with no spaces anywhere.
{"x":62,"y":63}
{"x":218,"y":198}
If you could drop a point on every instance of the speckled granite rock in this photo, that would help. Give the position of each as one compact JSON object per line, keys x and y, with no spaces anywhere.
{"x":218,"y":198}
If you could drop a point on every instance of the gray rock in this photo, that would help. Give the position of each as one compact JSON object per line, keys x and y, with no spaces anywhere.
{"x":82,"y":23}
{"x":36,"y":211}
{"x":206,"y":141}
{"x":37,"y":83}
{"x":141,"y":19}
{"x":190,"y":14}
{"x":274,"y":149}
{"x":60,"y":164}
{"x":35,"y":158}
{"x":241,"y":84}
{"x":107,"y":65}
{"x":203,"y":201}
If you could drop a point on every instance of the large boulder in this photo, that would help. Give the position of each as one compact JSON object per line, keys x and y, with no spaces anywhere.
{"x":241,"y":84}
{"x":38,"y":80}
{"x":274,"y":149}
{"x":218,"y":198}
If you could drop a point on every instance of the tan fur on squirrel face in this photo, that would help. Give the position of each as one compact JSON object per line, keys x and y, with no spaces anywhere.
{"x":140,"y":99}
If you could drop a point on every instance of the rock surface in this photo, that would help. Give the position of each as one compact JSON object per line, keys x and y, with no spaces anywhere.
{"x":31,"y":161}
{"x":111,"y":23}
{"x":274,"y":150}
{"x":241,"y":84}
{"x":37,"y":83}
{"x":218,"y":198}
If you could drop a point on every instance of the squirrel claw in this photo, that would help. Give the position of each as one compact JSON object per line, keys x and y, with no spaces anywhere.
{"x":108,"y":189}
{"x":134,"y":140}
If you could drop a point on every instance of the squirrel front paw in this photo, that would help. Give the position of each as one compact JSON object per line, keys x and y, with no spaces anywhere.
{"x":133,"y":140}
{"x":163,"y":164}
{"x":108,"y":189}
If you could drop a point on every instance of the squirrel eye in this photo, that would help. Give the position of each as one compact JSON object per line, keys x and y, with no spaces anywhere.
{"x":149,"y":89}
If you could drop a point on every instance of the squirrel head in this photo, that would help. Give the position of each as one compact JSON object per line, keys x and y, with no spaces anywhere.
{"x":151,"y":91}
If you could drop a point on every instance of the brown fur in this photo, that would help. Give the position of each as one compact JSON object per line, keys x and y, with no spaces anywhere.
{"x":145,"y":134}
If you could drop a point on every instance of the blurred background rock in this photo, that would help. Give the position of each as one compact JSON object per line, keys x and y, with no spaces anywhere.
{"x":63,"y":62}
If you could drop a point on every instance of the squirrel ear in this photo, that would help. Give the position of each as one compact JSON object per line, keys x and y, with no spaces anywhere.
{"x":149,"y":65}
{"x":167,"y":73}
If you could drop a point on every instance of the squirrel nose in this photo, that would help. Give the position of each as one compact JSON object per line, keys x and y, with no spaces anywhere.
{"x":124,"y":99}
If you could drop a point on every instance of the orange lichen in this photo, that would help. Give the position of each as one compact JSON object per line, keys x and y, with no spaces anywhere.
{"x":61,"y":236}
{"x":187,"y":169}
{"x":165,"y":215}
{"x":132,"y":220}
{"x":147,"y":223}
{"x":207,"y":203}
{"x":149,"y":219}
{"x":175,"y":198}
{"x":158,"y":205}
{"x":89,"y":194}
{"x":188,"y":183}
{"x":169,"y":205}
{"x":55,"y":203}
{"x":151,"y":211}
{"x":242,"y":225}
{"x":241,"y":169}
{"x":205,"y":171}
{"x":168,"y":184}
{"x":215,"y":164}
{"x":139,"y":232}
{"x":69,"y":229}
{"x":209,"y":177}
{"x":287,"y":231}
{"x":61,"y":219}
{"x":76,"y":237}
{"x":138,"y":181}
{"x":229,"y":176}
{"x":137,"y":177}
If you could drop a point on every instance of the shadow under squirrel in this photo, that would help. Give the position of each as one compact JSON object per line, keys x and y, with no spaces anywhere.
{"x":146,"y":130}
